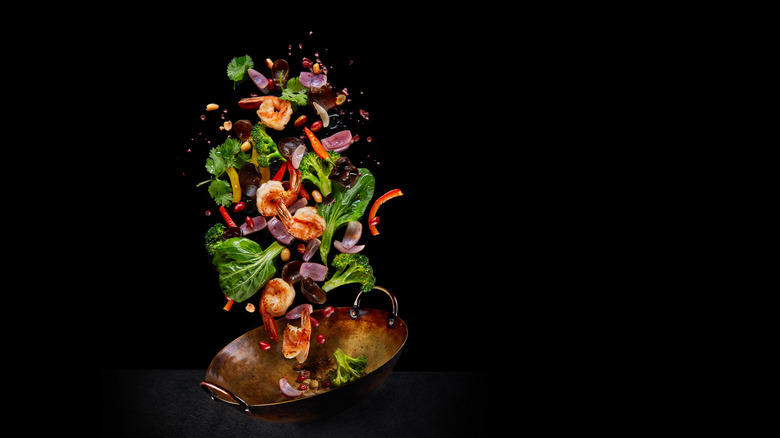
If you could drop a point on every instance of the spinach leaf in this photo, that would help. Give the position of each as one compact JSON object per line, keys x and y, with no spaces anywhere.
{"x":347,"y":205}
{"x":244,"y":267}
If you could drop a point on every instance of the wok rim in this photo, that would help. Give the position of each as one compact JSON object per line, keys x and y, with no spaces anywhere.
{"x":347,"y":309}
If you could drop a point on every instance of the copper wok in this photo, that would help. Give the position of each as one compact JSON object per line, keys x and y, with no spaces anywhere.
{"x":247,"y":378}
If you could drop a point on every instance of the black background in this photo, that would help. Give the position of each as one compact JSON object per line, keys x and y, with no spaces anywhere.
{"x":161,"y":305}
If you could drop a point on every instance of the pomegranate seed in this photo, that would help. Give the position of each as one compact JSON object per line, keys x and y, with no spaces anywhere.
{"x":264,"y":345}
{"x":302,"y":387}
{"x":301,"y":248}
{"x":320,"y":339}
{"x":328,"y":311}
{"x":307,"y":63}
{"x":374,"y":221}
{"x":238,"y":208}
{"x":250,"y":223}
{"x":300,"y":378}
{"x":316,"y":126}
{"x":314,"y":321}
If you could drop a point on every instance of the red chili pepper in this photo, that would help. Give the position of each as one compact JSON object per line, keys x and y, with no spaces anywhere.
{"x":226,"y":216}
{"x":315,"y":144}
{"x":279,"y":173}
{"x":304,"y":194}
{"x":381,"y":200}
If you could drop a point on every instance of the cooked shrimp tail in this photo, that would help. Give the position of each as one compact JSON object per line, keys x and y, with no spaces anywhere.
{"x":270,"y":325}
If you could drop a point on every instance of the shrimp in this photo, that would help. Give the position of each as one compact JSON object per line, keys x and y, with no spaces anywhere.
{"x":295,"y":343}
{"x":306,"y":224}
{"x":277,"y":296}
{"x":273,"y":112}
{"x":273,"y":199}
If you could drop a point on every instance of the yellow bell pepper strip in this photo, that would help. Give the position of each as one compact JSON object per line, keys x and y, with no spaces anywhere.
{"x":265,"y":174}
{"x":315,"y":144}
{"x":372,"y":217}
{"x":233,"y":175}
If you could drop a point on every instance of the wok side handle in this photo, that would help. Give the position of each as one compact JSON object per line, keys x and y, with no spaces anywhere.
{"x":353,"y":312}
{"x":208,"y":387}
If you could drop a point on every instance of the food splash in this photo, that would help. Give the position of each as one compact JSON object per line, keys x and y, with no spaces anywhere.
{"x":292,"y":204}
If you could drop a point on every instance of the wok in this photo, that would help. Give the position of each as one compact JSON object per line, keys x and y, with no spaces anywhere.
{"x":247,"y":378}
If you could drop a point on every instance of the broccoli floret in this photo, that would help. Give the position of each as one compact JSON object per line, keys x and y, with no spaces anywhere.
{"x":213,"y":237}
{"x":351,"y":268}
{"x":348,"y":368}
{"x":264,"y":146}
{"x":316,"y":169}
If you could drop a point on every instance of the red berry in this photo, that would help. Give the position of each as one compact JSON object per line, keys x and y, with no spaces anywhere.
{"x":320,"y":339}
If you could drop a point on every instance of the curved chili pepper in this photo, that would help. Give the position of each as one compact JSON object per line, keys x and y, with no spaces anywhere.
{"x":316,"y":144}
{"x":372,"y":219}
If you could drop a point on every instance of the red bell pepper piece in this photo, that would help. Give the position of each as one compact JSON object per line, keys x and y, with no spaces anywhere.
{"x":372,"y":213}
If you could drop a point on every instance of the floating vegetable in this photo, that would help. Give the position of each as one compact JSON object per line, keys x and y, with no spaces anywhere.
{"x":372,"y":213}
{"x":315,"y":144}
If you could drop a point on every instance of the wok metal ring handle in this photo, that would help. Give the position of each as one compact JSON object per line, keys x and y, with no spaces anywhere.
{"x":206,"y":386}
{"x":353,"y":312}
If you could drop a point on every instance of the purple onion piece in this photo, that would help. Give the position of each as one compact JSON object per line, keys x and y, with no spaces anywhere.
{"x":338,"y":142}
{"x":259,"y":222}
{"x":296,"y":311}
{"x":352,"y":234}
{"x":300,"y":202}
{"x":259,"y":80}
{"x":277,"y":229}
{"x":287,"y":389}
{"x":352,"y":250}
{"x":315,"y":271}
{"x":311,"y":248}
{"x":313,"y":80}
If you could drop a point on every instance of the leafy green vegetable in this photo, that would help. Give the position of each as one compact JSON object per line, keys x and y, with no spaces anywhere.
{"x":347,"y":368}
{"x":316,"y":170}
{"x":351,"y":268}
{"x":244,"y":267}
{"x":238,"y":67}
{"x":295,"y":93}
{"x":347,"y":205}
{"x":228,"y":154}
{"x":265,"y":146}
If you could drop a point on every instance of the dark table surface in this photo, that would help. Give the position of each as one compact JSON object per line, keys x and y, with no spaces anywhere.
{"x":171,"y":403}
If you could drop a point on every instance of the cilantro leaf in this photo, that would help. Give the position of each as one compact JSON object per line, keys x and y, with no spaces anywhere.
{"x":220,"y":190}
{"x":295,"y":93}
{"x":237,"y":67}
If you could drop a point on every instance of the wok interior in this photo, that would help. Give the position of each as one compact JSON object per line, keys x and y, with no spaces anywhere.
{"x":253,"y":374}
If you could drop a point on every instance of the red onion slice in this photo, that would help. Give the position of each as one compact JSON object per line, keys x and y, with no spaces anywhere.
{"x":352,"y":234}
{"x":259,"y":80}
{"x":277,"y":229}
{"x":311,"y":248}
{"x":259,"y":222}
{"x":315,"y":271}
{"x":351,"y":250}
{"x":313,"y":80}
{"x":338,"y":142}
{"x":296,"y":311}
{"x":297,"y":155}
{"x":287,"y":389}
{"x":300,"y":202}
